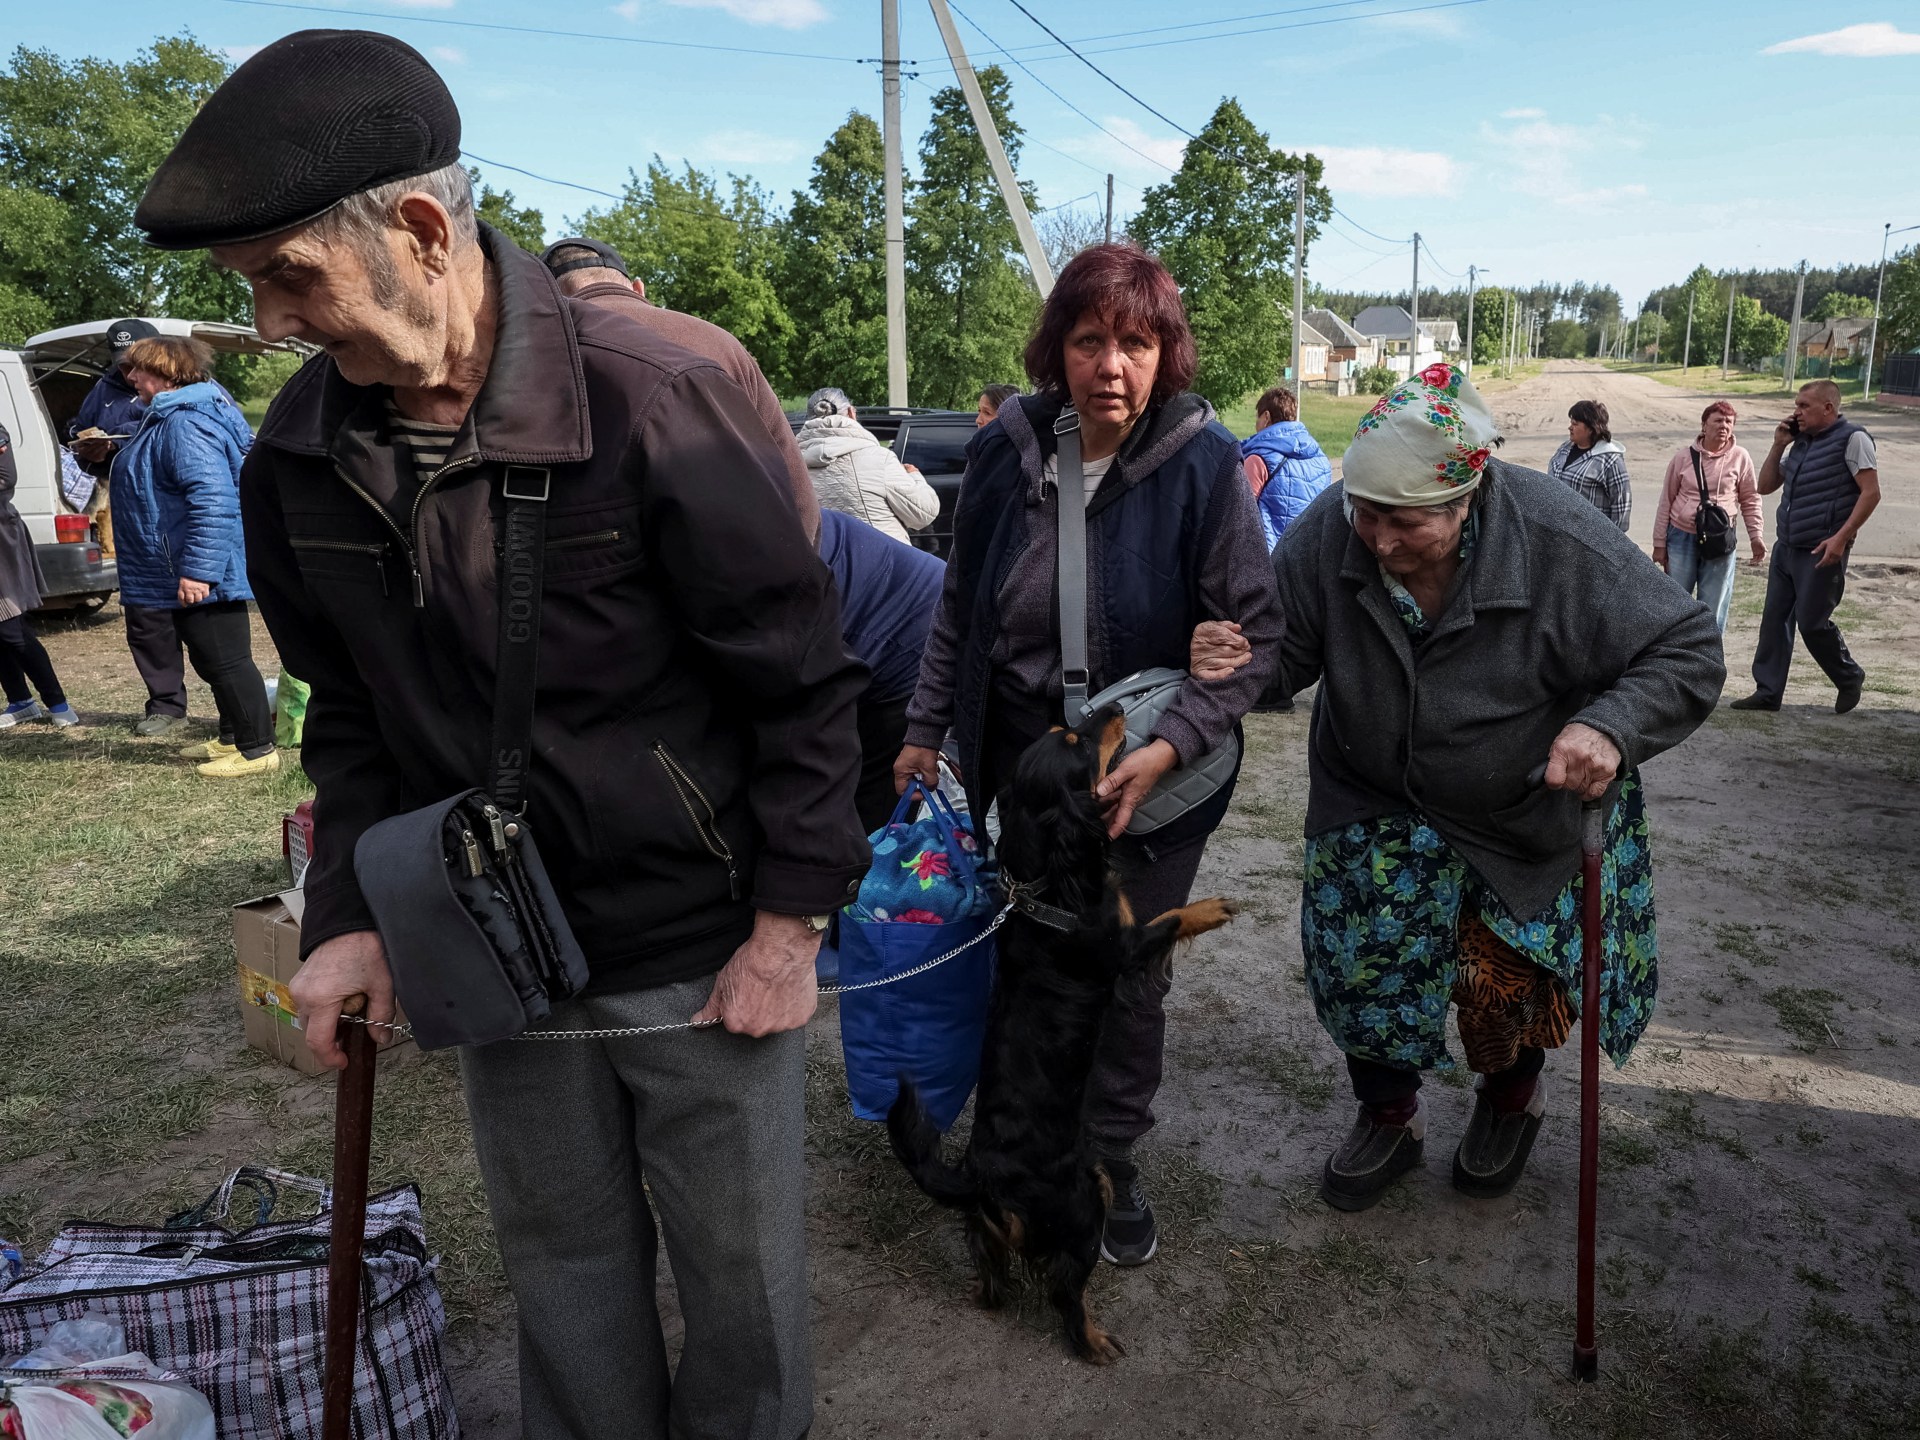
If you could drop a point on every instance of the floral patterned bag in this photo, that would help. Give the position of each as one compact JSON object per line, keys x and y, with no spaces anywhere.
{"x":927,"y":893}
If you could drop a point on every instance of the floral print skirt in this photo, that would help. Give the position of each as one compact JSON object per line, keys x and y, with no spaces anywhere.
{"x":1380,"y":914}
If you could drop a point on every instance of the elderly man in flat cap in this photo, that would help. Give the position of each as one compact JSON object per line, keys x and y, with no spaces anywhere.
{"x":694,"y":752}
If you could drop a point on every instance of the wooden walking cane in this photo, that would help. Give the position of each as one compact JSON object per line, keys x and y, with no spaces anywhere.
{"x":352,"y":1142}
{"x":1586,"y":1353}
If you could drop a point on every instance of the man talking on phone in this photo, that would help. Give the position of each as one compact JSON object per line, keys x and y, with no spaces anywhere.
{"x":1828,"y":468}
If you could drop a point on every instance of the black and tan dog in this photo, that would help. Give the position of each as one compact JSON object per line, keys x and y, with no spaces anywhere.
{"x":1029,"y":1183}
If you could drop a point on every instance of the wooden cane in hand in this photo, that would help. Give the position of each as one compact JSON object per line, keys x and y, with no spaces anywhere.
{"x":352,"y":1140}
{"x":1586,"y":1352}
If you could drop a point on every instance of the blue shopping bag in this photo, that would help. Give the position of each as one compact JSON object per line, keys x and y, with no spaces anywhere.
{"x":927,"y":893}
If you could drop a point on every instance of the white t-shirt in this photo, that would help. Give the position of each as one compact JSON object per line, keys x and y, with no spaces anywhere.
{"x":1096,"y":471}
{"x":1860,"y":454}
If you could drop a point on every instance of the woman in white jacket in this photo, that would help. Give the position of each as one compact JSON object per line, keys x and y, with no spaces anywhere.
{"x":857,"y":475}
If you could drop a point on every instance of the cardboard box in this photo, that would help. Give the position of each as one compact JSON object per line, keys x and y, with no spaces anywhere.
{"x":266,"y":942}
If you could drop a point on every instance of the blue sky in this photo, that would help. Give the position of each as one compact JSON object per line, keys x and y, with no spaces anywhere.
{"x":1611,"y":140}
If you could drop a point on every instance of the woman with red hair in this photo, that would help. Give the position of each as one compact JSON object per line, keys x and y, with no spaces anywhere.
{"x":1723,"y":472}
{"x":1172,"y":541}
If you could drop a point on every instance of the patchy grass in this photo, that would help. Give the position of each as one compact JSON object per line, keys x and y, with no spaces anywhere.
{"x":1805,"y":1014}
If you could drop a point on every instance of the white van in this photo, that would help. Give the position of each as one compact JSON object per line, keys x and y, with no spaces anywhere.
{"x":41,"y":387}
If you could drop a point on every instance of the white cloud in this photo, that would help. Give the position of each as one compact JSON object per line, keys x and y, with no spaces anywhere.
{"x":787,"y":14}
{"x":627,"y":9}
{"x":1567,"y":164}
{"x":1112,"y":150}
{"x":745,"y":147}
{"x":1523,"y":114}
{"x":1858,"y":41}
{"x":1373,"y":170}
{"x":1429,"y":25}
{"x":1602,"y":198}
{"x":449,"y":54}
{"x":240,"y":54}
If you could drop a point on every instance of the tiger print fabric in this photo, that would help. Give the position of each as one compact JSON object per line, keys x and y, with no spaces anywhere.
{"x":1505,"y":1001}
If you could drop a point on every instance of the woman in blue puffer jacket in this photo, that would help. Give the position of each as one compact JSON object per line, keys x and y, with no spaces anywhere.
{"x":1284,"y":463}
{"x":176,"y":521}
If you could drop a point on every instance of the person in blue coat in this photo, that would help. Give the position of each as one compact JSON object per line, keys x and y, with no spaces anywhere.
{"x":1284,"y":463}
{"x":176,"y":508}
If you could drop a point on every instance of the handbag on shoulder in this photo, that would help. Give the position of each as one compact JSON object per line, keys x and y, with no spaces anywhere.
{"x":474,"y":934}
{"x":1712,"y":527}
{"x":1145,"y":695}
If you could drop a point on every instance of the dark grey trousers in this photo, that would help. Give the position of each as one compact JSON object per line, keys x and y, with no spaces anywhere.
{"x":1803,"y":596}
{"x":713,"y":1125}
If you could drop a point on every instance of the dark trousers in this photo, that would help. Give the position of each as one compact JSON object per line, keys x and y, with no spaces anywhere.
{"x":883,"y":730}
{"x":1803,"y":596}
{"x":156,"y":655}
{"x":22,"y":659}
{"x":1386,"y":1087}
{"x":1133,"y":1040}
{"x":219,"y":642}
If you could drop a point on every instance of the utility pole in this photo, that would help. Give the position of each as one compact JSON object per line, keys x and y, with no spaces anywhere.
{"x":1726,"y":352}
{"x":1506,"y":331}
{"x":1791,"y":364}
{"x":996,"y":152}
{"x":1473,"y":278}
{"x":1413,"y":345}
{"x":1299,"y":269}
{"x":1686,"y":349}
{"x":896,"y":206}
{"x":1109,"y":207}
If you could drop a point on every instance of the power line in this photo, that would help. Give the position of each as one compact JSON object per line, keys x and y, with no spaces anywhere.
{"x":1223,"y":20}
{"x":547,"y":179}
{"x":1359,"y":245}
{"x":1271,"y":29}
{"x":1437,"y":265}
{"x":1101,"y":73}
{"x":1364,"y":231}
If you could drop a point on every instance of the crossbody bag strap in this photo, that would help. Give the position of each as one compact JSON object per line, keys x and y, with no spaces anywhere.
{"x":1070,"y":574}
{"x":523,"y":550}
{"x":1701,"y":476}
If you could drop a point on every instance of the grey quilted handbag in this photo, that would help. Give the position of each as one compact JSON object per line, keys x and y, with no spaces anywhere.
{"x":1145,"y":695}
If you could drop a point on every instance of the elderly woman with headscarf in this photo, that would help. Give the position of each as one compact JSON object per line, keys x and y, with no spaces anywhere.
{"x":1172,"y":541}
{"x":1472,"y":623}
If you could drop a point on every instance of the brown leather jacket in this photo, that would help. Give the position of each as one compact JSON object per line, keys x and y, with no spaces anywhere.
{"x":694,"y":742}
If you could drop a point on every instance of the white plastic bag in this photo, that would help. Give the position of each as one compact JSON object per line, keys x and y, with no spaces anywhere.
{"x":79,"y":1383}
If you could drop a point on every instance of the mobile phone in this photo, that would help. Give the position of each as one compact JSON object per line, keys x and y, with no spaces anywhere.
{"x":1793,"y":424}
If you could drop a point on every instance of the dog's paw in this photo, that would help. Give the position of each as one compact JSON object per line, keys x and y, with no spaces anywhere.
{"x":1102,"y":1348}
{"x":1201,"y":916}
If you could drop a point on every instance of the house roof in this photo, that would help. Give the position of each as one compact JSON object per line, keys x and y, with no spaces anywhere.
{"x":1842,"y":331}
{"x":1311,"y":336}
{"x":1338,"y":332}
{"x":1390,"y":322}
{"x":1446,"y":328}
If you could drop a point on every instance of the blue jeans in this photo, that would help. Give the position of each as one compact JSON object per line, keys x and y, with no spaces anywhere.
{"x":1711,"y":580}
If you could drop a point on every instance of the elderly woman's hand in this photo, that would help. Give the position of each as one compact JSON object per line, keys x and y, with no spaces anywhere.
{"x":1582,"y":760}
{"x":1217,"y":650}
{"x":919,"y":761}
{"x":1123,"y":790}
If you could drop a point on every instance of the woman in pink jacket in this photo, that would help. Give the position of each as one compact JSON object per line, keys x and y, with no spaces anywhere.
{"x":1726,"y":469}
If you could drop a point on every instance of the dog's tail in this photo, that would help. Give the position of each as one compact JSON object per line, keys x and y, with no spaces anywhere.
{"x":917,"y":1144}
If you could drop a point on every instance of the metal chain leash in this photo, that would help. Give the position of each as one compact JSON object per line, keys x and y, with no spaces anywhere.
{"x":626,"y":1032}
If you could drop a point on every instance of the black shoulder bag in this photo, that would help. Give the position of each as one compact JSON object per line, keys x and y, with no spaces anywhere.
{"x":475,"y":936}
{"x":1712,"y":527}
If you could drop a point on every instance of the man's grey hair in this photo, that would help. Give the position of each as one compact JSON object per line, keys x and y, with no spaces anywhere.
{"x":361,"y":221}
{"x":829,"y":400}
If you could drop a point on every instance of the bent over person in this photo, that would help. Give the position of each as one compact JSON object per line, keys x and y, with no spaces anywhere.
{"x":1470,"y":622}
{"x":689,"y":641}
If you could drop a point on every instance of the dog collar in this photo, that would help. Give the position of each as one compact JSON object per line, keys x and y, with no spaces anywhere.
{"x":1020,"y":897}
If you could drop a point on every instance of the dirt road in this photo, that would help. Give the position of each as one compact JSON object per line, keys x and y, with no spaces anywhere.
{"x":1653,"y":421}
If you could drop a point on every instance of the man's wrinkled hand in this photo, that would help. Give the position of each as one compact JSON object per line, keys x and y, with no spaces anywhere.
{"x":1217,"y":650}
{"x":1582,"y":760}
{"x":916,"y":760}
{"x":768,"y":986}
{"x":1131,"y":782}
{"x":192,"y":592}
{"x":339,"y":969}
{"x":1832,"y":551}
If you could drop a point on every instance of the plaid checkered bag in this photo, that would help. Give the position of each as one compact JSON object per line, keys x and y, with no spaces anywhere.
{"x":241,"y":1315}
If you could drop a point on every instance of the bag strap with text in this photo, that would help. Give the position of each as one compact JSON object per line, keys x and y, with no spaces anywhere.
{"x":1070,"y":498}
{"x":517,"y":656}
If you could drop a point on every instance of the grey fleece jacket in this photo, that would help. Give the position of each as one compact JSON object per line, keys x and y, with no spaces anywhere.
{"x":1236,"y":583}
{"x":1558,"y":618}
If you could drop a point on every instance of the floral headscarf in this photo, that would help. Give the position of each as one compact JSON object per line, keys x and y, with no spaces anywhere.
{"x":1427,"y":442}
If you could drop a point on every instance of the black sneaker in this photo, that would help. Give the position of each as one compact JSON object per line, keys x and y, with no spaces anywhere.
{"x":1756,"y":701}
{"x":1494,"y":1151}
{"x":1371,"y":1158}
{"x":1848,"y":697}
{"x":159,"y":725}
{"x":1130,"y":1236}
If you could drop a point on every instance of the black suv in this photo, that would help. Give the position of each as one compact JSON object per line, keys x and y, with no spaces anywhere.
{"x":933,"y":440}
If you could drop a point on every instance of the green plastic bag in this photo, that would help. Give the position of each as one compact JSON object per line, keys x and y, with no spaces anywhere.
{"x":290,"y":711}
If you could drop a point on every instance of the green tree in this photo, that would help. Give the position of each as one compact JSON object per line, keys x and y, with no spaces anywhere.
{"x":1708,"y":293}
{"x":702,"y":251}
{"x":833,"y":267}
{"x":78,"y":142}
{"x":1838,"y":305}
{"x":1565,"y":339}
{"x":525,"y":226}
{"x":1900,"y":321}
{"x":1490,"y":308}
{"x":1758,"y":334}
{"x":1220,"y":225}
{"x":970,"y":299}
{"x":1650,"y":328}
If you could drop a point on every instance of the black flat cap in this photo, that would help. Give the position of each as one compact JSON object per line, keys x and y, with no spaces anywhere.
{"x":605,"y":256}
{"x":312,"y":119}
